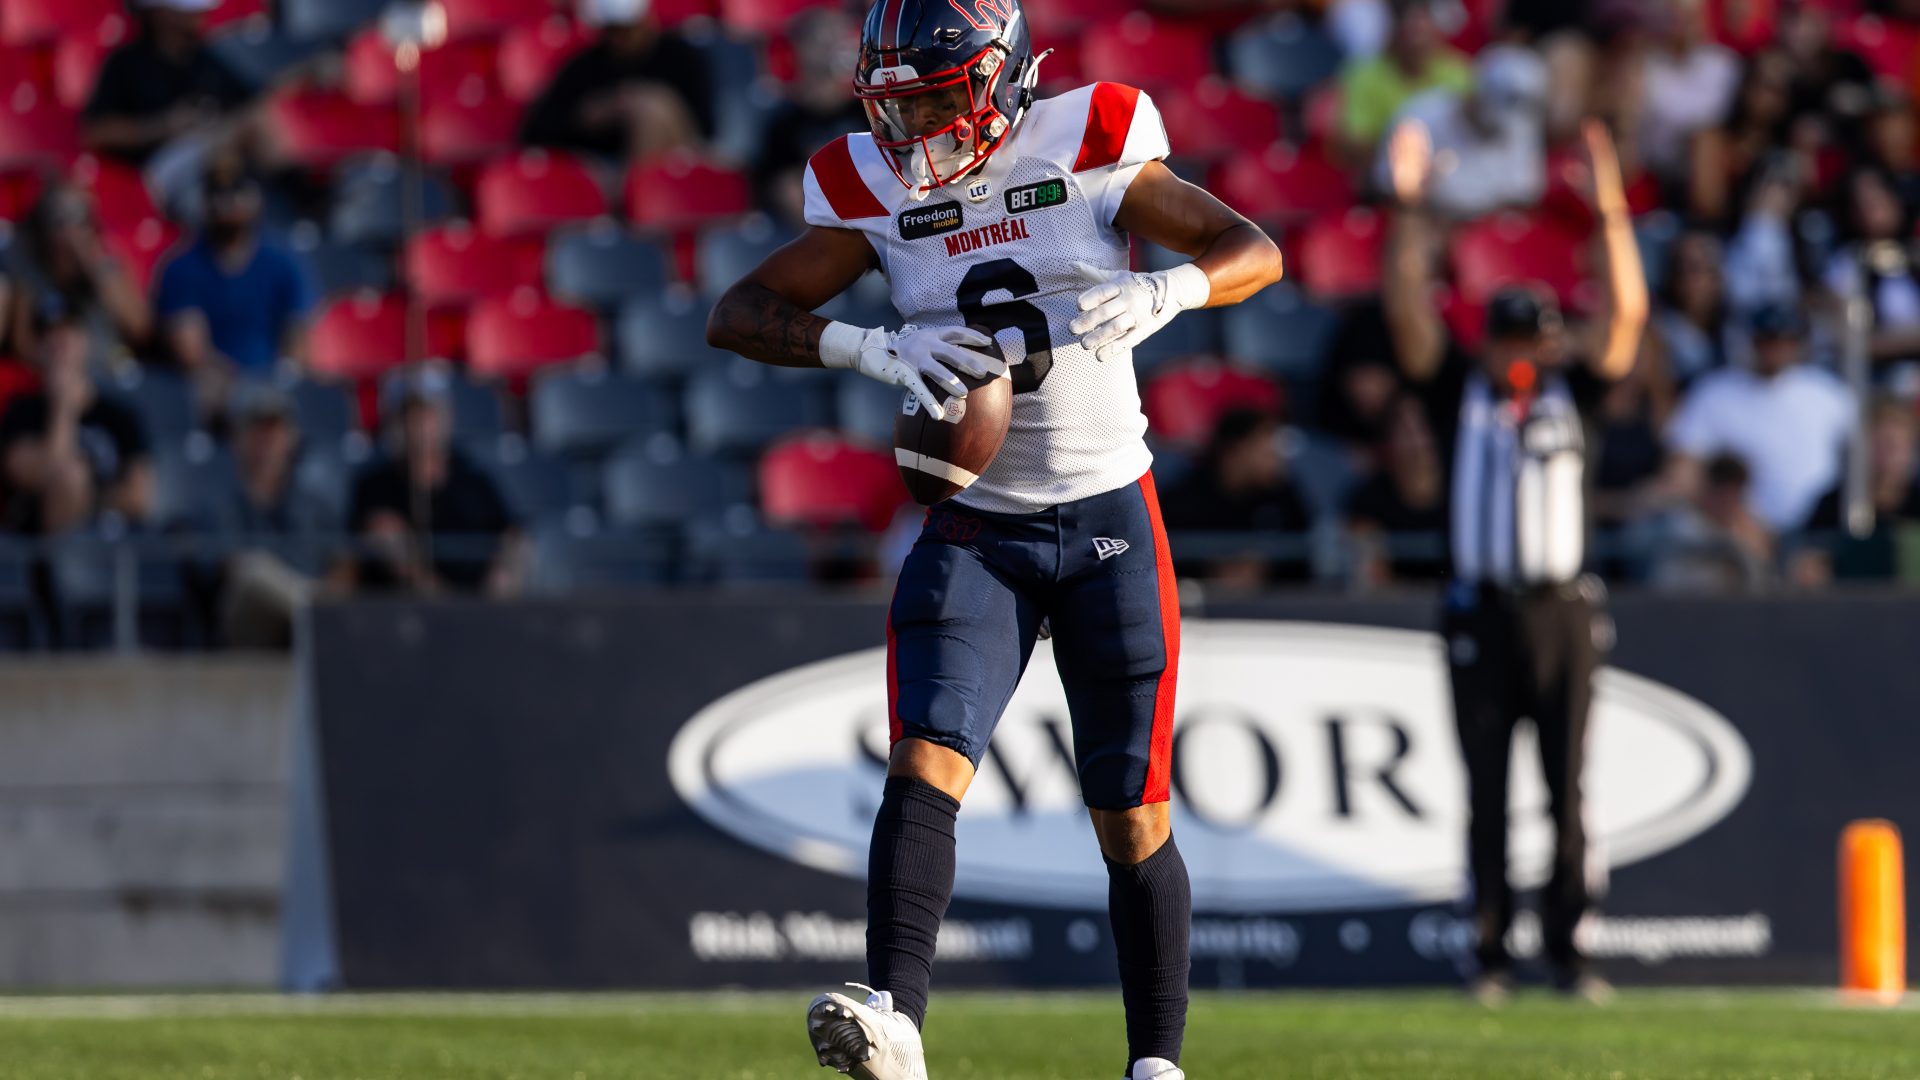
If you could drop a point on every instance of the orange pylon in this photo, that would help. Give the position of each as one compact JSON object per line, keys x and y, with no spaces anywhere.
{"x":1873,"y":911}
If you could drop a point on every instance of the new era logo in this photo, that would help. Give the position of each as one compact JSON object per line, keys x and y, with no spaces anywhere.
{"x":1107,"y":549}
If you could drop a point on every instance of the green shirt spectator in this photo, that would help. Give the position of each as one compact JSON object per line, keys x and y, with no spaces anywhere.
{"x":1372,"y":91}
{"x":1416,"y":60}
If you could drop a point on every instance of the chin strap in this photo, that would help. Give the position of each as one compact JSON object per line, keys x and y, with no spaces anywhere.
{"x":1029,"y":79}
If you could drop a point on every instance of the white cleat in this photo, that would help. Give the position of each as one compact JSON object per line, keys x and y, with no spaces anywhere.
{"x":868,"y":1040}
{"x":1156,"y":1069}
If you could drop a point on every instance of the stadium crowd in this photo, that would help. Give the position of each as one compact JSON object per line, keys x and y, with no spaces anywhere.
{"x":235,"y":373}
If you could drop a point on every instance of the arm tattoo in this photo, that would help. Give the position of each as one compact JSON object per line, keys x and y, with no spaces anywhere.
{"x":762,"y":325}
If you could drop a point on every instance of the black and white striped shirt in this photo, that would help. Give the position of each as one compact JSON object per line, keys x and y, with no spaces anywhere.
{"x":1518,"y":493}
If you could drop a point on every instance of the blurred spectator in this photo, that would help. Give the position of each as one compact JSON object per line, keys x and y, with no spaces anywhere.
{"x":1787,"y":420}
{"x":1361,"y":381}
{"x":260,"y":590}
{"x":1890,"y":143}
{"x":1693,"y":329}
{"x":635,"y":92}
{"x":1571,"y":38}
{"x":1373,"y":89}
{"x":68,"y":454}
{"x":1889,"y":550}
{"x":1687,"y":83}
{"x":1762,"y":264}
{"x":165,"y":100}
{"x":818,"y":108}
{"x":428,"y":520}
{"x":1239,"y":486}
{"x":1725,"y":156}
{"x":1715,"y":543}
{"x":1877,"y":257}
{"x":61,"y":270}
{"x":1487,"y":145}
{"x":1399,"y":515}
{"x":264,"y":426}
{"x":233,"y":303}
{"x":1827,"y":80}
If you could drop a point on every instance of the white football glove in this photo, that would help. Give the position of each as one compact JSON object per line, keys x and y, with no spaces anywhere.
{"x":913,"y":357}
{"x":1122,"y":310}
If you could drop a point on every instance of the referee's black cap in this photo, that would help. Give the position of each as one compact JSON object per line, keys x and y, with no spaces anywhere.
{"x":1521,"y":311}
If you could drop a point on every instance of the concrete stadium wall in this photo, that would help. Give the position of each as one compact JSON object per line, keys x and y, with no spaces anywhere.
{"x":143,"y":821}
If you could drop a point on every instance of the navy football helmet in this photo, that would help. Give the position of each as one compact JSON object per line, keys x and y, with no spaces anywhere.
{"x":977,"y":51}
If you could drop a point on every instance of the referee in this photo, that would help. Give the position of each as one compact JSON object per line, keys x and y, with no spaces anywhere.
{"x":1525,"y":629}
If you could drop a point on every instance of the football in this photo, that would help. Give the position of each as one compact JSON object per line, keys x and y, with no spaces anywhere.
{"x":941,"y":458}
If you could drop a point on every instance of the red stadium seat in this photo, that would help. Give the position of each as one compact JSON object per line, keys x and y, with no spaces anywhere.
{"x":463,"y":131}
{"x":141,"y":246}
{"x":321,"y":128}
{"x":675,"y":12}
{"x":1479,"y":26}
{"x":820,"y":479}
{"x":678,"y":192}
{"x":1214,"y":120}
{"x":1341,"y":256}
{"x":530,"y":56}
{"x":1320,"y":113}
{"x":1063,"y":71}
{"x":491,"y":18}
{"x":1142,"y":51}
{"x":455,"y":264}
{"x":77,"y":60}
{"x":1057,"y":20}
{"x":536,"y":191}
{"x":21,"y":66}
{"x":358,"y":337}
{"x":1514,"y":248}
{"x":1184,"y":403}
{"x":1285,"y":183}
{"x":19,"y":191}
{"x":365,"y":335}
{"x":36,"y":131}
{"x":1887,"y":47}
{"x":764,"y":17}
{"x":119,"y":191}
{"x":511,"y":337}
{"x":372,"y":78}
{"x":40,"y":22}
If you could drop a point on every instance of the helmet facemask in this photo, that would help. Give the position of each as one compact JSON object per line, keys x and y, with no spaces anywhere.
{"x":930,"y":160}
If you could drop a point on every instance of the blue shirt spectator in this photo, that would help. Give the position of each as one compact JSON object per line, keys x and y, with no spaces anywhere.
{"x":233,"y":303}
{"x":248,"y":304}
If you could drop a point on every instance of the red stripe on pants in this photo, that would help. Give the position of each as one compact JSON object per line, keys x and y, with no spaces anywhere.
{"x":1160,"y":755}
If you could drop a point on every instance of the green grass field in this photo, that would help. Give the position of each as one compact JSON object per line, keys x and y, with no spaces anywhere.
{"x":1432,"y":1036}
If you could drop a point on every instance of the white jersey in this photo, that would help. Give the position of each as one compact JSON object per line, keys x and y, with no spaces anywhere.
{"x":995,"y":250}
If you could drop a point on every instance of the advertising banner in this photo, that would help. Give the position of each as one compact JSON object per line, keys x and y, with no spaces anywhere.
{"x":678,"y":794}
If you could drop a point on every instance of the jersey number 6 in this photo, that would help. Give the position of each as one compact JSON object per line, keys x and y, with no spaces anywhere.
{"x":1014,"y":314}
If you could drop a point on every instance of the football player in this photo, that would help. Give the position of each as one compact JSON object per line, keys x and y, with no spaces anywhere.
{"x":1002,"y":223}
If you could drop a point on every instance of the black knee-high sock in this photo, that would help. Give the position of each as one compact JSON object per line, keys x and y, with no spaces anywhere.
{"x":909,"y":882}
{"x":1151,"y":906}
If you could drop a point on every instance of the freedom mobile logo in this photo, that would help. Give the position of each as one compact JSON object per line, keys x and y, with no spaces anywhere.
{"x":1031,"y":197}
{"x":920,"y":222}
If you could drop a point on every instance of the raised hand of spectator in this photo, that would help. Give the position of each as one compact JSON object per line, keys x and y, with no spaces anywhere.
{"x":1410,"y":162}
{"x":1608,"y":189}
